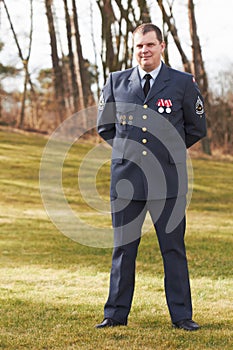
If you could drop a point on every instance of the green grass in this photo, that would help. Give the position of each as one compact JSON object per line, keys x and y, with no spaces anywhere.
{"x":52,"y":289}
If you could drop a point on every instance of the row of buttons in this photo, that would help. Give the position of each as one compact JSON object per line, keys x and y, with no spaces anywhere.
{"x":123,"y":121}
{"x":144,"y":129}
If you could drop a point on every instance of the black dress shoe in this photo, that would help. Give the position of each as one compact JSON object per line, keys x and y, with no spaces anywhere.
{"x":188,"y":325}
{"x":109,"y":322}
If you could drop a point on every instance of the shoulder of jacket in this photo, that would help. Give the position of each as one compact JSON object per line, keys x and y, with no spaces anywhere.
{"x":123,"y":73}
{"x":180,"y":74}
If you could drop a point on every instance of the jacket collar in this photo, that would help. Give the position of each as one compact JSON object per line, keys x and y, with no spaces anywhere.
{"x":159,"y":84}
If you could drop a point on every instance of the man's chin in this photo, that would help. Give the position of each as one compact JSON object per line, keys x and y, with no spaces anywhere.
{"x":146,"y":67}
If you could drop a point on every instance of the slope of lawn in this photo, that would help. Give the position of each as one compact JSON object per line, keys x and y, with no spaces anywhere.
{"x":53,"y":288}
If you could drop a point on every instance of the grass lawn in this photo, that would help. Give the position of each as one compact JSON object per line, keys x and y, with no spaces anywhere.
{"x":53,"y":288}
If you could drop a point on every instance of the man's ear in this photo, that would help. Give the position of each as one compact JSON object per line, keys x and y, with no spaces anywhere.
{"x":163,"y":46}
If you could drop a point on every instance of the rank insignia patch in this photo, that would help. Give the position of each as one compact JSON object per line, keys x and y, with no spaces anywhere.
{"x":101,"y":103}
{"x":199,"y":106}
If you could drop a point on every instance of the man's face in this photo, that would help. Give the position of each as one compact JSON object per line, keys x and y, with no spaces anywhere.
{"x":148,"y":50}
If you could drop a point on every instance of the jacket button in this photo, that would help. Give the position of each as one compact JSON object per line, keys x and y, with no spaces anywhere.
{"x":144,"y":129}
{"x":144,"y":140}
{"x":144,"y":117}
{"x":145,"y":106}
{"x":144,"y":153}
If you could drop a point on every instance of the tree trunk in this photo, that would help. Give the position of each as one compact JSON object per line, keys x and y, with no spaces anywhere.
{"x":170,"y":21}
{"x":71,"y":59}
{"x":96,"y":71}
{"x":24,"y":96}
{"x":197,"y":56}
{"x":85,"y":93}
{"x":144,"y":11}
{"x":198,"y":69}
{"x":25,"y":61}
{"x":107,"y":52}
{"x":166,"y":53}
{"x":57,"y":70}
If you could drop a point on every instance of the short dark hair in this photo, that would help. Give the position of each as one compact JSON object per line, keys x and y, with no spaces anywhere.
{"x":149,"y":27}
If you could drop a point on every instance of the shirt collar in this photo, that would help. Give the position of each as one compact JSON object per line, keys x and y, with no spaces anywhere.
{"x":153,"y":73}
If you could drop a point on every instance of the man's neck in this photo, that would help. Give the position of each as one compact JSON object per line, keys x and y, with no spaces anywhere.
{"x":153,"y":72}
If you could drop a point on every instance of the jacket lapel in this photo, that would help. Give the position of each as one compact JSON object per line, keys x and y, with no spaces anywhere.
{"x":135,"y":84}
{"x":160,"y":82}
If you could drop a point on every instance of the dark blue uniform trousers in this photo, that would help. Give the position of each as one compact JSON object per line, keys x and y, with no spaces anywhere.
{"x":128,"y":218}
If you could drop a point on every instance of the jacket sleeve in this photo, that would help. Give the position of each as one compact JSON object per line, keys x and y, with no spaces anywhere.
{"x":194,"y":114}
{"x":106,"y":113}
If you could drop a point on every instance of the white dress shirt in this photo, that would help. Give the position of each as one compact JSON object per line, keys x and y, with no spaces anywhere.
{"x":153,"y":73}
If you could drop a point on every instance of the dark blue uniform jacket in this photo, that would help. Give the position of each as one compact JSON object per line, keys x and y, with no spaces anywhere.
{"x":150,"y":135}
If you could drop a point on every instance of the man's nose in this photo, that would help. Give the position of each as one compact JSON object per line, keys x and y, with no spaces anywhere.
{"x":144,"y":48}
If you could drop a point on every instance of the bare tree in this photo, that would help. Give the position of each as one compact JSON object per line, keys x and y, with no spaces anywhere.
{"x":198,"y":68}
{"x":57,"y":69}
{"x":197,"y":65}
{"x":79,"y":61}
{"x":71,"y":58}
{"x":96,"y":71}
{"x":108,"y":57}
{"x":83,"y":75}
{"x":5,"y":71}
{"x":144,"y":11}
{"x":169,"y":19}
{"x":25,"y":60}
{"x":117,"y":26}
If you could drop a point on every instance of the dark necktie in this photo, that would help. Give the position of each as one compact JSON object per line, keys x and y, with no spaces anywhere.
{"x":146,"y":86}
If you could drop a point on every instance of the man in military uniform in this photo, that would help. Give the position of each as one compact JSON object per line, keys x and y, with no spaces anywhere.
{"x":150,"y":114}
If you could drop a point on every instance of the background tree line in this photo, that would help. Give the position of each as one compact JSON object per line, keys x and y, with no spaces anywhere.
{"x":73,"y":82}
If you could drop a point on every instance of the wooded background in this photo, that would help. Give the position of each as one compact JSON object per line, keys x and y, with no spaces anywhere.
{"x":74,"y":82}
